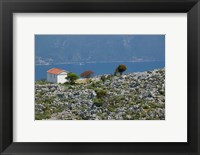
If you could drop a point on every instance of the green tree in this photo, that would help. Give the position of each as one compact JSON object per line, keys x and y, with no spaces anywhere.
{"x":120,"y":69}
{"x":72,"y":77}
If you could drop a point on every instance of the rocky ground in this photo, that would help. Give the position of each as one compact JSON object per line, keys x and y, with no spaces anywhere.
{"x":134,"y":96}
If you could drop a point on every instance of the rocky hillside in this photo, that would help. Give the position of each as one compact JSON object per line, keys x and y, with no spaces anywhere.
{"x":134,"y":96}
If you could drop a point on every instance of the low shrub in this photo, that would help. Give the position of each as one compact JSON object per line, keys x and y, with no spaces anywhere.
{"x":145,"y":106}
{"x":111,"y":108}
{"x":103,"y":78}
{"x":98,"y":102}
{"x":162,"y":92}
{"x":109,"y":77}
{"x":153,"y":105}
{"x":41,"y":116}
{"x":100,"y":93}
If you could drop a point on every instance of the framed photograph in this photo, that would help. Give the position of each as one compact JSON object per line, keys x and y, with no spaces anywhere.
{"x":99,"y":77}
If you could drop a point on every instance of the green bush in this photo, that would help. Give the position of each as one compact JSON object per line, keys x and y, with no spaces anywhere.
{"x":144,"y":106}
{"x":93,"y":85}
{"x":111,"y":108}
{"x":45,"y":115}
{"x":100,"y":93}
{"x":120,"y":69}
{"x":131,"y":103}
{"x":153,"y":105}
{"x":90,"y":87}
{"x":109,"y":77}
{"x":98,"y":102}
{"x":72,"y":77}
{"x":162,"y":92}
{"x":39,"y":116}
{"x":103,"y":78}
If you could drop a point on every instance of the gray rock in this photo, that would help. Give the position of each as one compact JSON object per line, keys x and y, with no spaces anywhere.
{"x":93,"y":94}
{"x":45,"y":89}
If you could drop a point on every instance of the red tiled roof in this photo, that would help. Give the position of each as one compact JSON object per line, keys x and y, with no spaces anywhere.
{"x":55,"y":71}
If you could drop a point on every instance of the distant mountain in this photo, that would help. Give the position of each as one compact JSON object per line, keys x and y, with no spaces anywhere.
{"x":54,"y":49}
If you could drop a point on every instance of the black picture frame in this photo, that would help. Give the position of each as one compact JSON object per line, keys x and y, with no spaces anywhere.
{"x":8,"y":7}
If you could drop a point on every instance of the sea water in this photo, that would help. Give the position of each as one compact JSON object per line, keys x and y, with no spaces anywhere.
{"x":98,"y":68}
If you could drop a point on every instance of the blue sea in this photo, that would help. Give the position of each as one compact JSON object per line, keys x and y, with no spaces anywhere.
{"x":98,"y":68}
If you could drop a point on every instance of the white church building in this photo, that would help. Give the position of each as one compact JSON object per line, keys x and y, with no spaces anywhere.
{"x":56,"y":75}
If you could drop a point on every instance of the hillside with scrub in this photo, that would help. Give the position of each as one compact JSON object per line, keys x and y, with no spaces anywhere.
{"x":132,"y":96}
